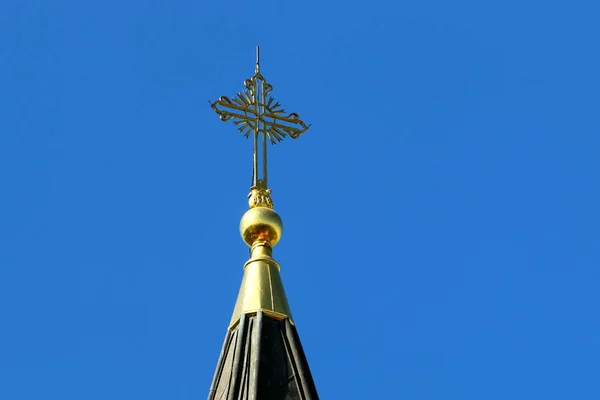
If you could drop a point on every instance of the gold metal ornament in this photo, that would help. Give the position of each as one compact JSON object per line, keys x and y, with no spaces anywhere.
{"x":261,"y":224}
{"x":256,"y":113}
{"x":260,"y":198}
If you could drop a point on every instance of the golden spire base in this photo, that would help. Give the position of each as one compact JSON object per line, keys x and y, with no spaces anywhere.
{"x":261,"y":289}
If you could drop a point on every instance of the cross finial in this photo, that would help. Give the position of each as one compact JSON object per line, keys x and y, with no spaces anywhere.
{"x":256,"y":113}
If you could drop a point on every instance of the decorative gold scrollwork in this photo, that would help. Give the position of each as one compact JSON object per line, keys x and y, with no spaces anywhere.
{"x":260,"y":198}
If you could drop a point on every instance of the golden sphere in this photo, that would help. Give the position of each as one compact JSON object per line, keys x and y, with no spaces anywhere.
{"x":261,"y":223}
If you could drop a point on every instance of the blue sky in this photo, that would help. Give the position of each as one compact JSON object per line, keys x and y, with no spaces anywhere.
{"x":442,"y":223}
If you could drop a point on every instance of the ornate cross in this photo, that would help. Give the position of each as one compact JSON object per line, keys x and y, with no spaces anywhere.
{"x":255,"y":112}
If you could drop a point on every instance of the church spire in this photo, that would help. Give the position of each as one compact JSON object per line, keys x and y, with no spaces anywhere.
{"x":262,"y":357}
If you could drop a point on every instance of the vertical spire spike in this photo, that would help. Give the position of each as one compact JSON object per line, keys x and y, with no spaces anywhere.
{"x":262,"y":357}
{"x":257,"y":59}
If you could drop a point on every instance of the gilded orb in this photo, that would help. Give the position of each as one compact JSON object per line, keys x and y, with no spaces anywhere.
{"x":261,"y":223}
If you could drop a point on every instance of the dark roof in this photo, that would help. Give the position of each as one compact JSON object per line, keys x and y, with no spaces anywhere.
{"x":262,"y":358}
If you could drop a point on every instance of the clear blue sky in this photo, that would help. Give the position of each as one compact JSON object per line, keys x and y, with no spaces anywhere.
{"x":442,"y":213}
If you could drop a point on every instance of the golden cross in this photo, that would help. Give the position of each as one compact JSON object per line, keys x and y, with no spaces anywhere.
{"x":255,"y":112}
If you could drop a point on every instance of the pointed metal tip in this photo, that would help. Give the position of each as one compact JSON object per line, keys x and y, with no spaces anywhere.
{"x":257,"y":59}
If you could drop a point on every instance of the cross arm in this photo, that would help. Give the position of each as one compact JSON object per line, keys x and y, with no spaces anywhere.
{"x":222,"y":105}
